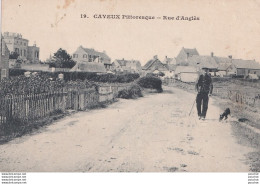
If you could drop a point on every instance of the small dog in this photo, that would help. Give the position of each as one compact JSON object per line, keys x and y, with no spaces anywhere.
{"x":224,"y":114}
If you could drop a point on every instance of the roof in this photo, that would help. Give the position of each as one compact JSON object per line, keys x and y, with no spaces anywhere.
{"x":94,"y":52}
{"x":191,"y":51}
{"x":186,"y":69}
{"x":171,"y":67}
{"x":224,"y":66}
{"x":249,"y":64}
{"x":123,"y":62}
{"x":89,"y":67}
{"x":203,"y":61}
{"x":222,"y":59}
{"x":149,"y":63}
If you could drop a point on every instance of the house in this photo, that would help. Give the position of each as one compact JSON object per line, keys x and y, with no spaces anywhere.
{"x":203,"y":62}
{"x":16,"y":43}
{"x":4,"y":62}
{"x":33,"y":54}
{"x":128,"y":66}
{"x":170,"y":64}
{"x":154,"y":66}
{"x":238,"y":67}
{"x":246,"y":67}
{"x":187,"y":73}
{"x":222,"y":65}
{"x":184,"y":54}
{"x":171,"y":70}
{"x":84,"y":55}
{"x":89,"y":67}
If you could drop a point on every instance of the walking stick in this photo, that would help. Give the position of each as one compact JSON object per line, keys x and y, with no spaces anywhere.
{"x":192,"y":107}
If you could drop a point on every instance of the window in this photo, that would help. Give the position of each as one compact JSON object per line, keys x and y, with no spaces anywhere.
{"x":3,"y":73}
{"x":3,"y":51}
{"x":85,"y":56}
{"x":75,"y":55}
{"x":36,"y":54}
{"x":21,"y":52}
{"x":24,"y":44}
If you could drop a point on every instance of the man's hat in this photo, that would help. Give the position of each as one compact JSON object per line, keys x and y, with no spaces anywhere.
{"x":206,"y":69}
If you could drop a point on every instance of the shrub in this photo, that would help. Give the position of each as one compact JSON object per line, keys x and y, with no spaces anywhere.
{"x":29,"y":85}
{"x":132,"y":93}
{"x":151,"y":83}
{"x":16,"y":72}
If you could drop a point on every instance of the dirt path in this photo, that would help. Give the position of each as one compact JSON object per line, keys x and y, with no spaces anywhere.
{"x":153,"y":133}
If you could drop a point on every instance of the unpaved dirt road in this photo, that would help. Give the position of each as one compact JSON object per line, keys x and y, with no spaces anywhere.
{"x":153,"y":133}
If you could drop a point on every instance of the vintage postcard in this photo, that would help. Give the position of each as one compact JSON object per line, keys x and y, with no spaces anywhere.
{"x":130,"y":86}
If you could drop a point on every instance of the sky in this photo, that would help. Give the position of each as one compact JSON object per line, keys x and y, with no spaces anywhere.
{"x":225,"y":27}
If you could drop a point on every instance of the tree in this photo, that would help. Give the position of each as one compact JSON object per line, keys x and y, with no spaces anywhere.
{"x":13,"y":55}
{"x":62,"y":60}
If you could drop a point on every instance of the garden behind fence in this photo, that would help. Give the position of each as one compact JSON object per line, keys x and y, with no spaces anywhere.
{"x":23,"y":109}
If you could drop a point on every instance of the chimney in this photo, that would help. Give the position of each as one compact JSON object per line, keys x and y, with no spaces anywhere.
{"x":230,"y":56}
{"x":155,"y":57}
{"x":166,"y":57}
{"x":212,"y":54}
{"x":123,"y":59}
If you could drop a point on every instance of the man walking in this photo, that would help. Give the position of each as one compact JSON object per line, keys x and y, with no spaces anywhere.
{"x":204,"y":87}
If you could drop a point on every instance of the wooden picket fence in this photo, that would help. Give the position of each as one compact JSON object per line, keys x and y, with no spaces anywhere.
{"x":244,"y":98}
{"x":25,"y":108}
{"x":169,"y":81}
{"x":81,"y":99}
{"x":28,"y":108}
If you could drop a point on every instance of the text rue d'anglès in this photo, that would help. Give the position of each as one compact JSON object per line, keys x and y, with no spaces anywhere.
{"x":137,"y":17}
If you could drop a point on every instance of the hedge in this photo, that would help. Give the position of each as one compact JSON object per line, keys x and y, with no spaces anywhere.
{"x":73,"y":76}
{"x":151,"y":83}
{"x":135,"y":91}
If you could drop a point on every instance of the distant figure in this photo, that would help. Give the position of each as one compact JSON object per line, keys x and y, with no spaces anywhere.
{"x":204,"y":88}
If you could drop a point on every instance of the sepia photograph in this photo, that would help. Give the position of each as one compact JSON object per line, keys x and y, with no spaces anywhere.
{"x":130,"y":86}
